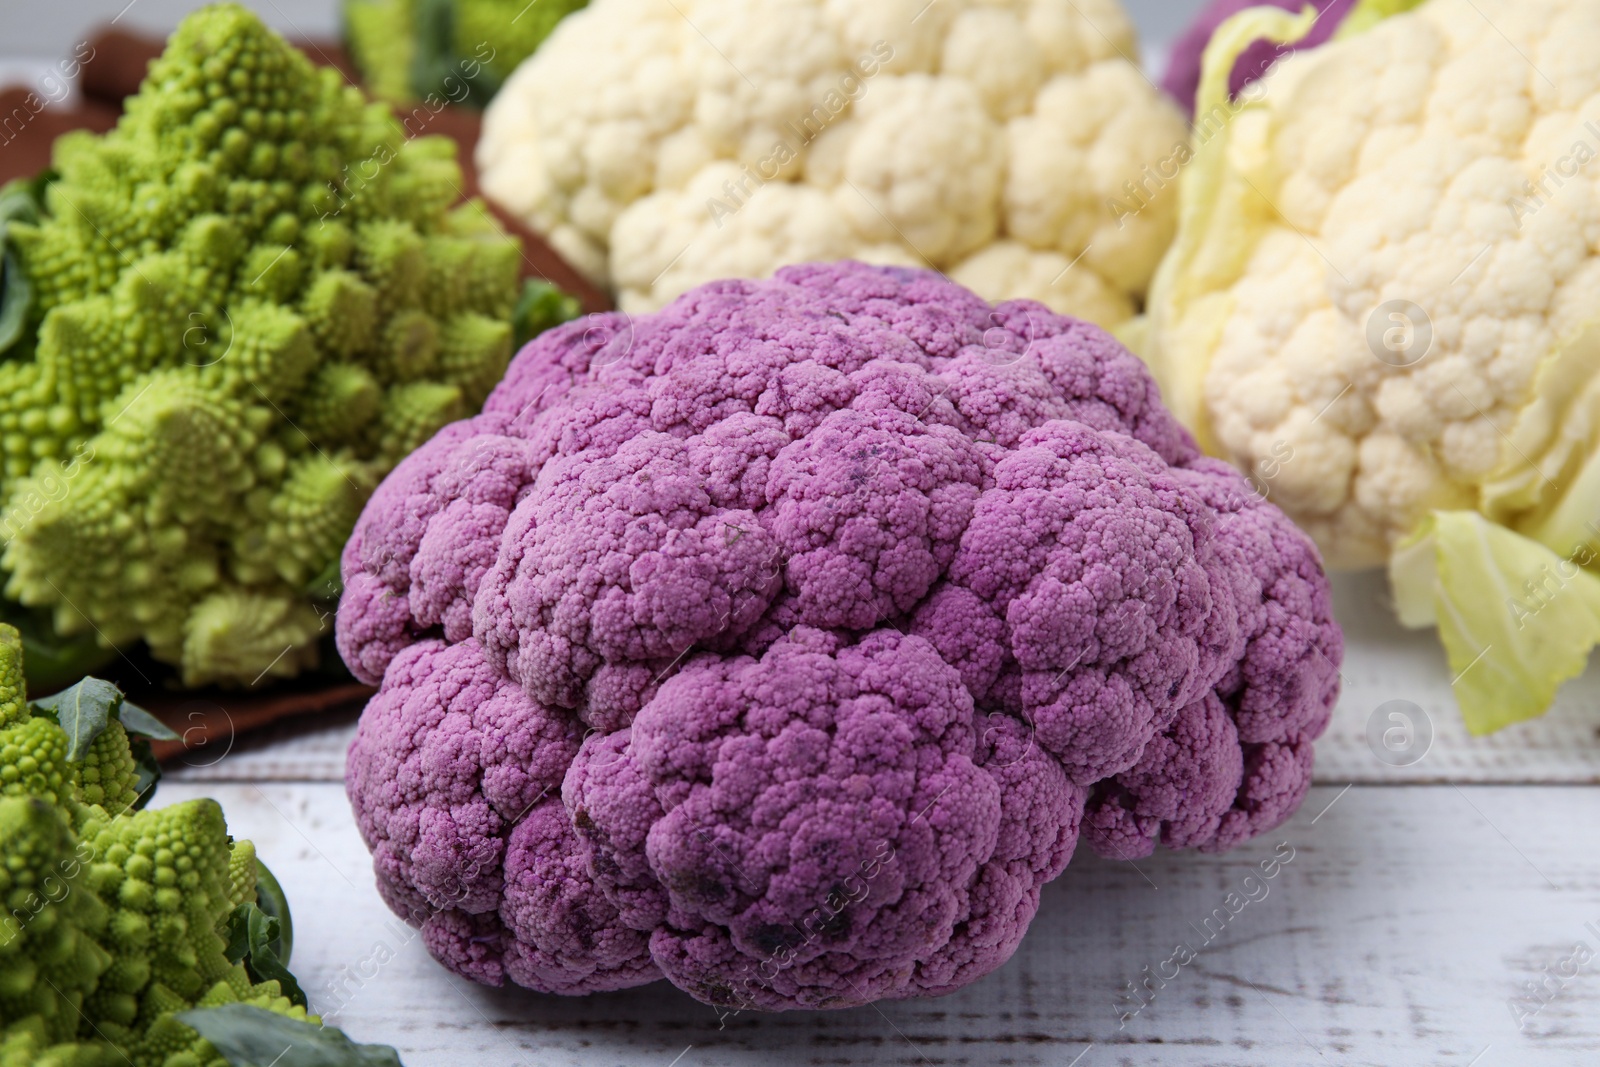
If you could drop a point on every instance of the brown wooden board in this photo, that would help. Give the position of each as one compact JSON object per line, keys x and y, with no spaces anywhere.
{"x":211,"y":722}
{"x":30,"y":124}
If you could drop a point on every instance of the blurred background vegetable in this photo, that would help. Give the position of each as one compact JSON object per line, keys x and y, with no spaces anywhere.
{"x":438,"y":50}
{"x":1333,"y":17}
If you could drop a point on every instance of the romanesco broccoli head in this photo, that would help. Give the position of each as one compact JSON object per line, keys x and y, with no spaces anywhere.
{"x":113,"y":919}
{"x":246,"y":303}
{"x":35,"y":751}
{"x":113,"y":929}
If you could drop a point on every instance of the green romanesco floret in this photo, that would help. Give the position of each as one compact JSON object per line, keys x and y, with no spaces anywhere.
{"x":13,"y":686}
{"x":446,"y":51}
{"x":33,"y":762}
{"x":250,"y":300}
{"x":113,"y":919}
{"x":51,"y":959}
{"x":108,"y":775}
{"x":241,"y":873}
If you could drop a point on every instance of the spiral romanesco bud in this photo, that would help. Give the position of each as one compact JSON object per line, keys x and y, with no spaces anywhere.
{"x":33,"y":762}
{"x":242,"y":873}
{"x":108,"y":776}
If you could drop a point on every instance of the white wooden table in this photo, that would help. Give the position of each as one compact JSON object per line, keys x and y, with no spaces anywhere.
{"x":1420,"y":902}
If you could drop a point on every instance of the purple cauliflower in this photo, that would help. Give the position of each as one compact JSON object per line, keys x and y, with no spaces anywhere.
{"x":782,"y":643}
{"x":1182,"y":77}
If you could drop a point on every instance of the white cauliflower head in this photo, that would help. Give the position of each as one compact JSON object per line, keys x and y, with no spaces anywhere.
{"x":1372,"y":287}
{"x":1014,"y":144}
{"x":1384,"y":301}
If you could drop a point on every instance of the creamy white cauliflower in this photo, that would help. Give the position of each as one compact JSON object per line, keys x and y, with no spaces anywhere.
{"x":1402,"y":231}
{"x":1014,"y":144}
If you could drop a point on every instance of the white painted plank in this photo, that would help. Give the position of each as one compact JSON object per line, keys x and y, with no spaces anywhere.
{"x":1383,"y":663}
{"x":1398,"y":934}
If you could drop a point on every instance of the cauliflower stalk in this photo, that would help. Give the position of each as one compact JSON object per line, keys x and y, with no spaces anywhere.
{"x":115,"y":918}
{"x":245,"y":304}
{"x":785,"y":642}
{"x":1382,"y":301}
{"x":1014,"y":145}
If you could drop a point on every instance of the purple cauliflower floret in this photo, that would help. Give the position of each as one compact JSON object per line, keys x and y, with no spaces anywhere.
{"x":782,"y":643}
{"x":456,"y":780}
{"x":822,"y":825}
{"x":1084,"y":558}
{"x":1237,"y":762}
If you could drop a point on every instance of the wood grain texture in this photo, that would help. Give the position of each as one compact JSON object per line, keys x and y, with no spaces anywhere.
{"x":202,"y":721}
{"x":1400,"y":932}
{"x":1382,"y":663}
